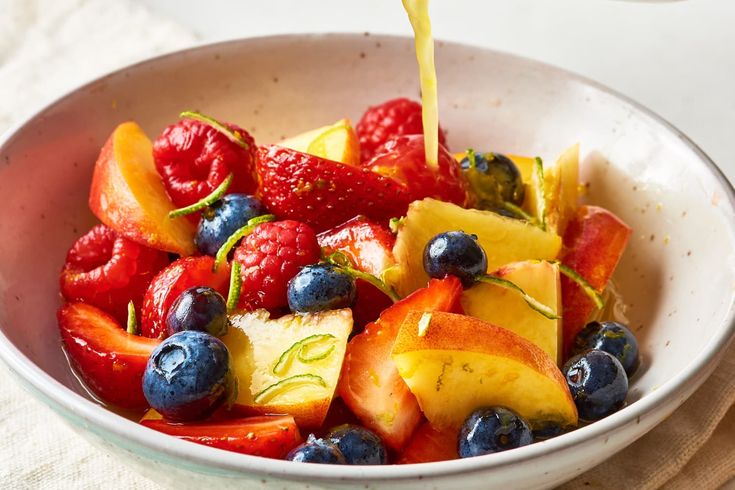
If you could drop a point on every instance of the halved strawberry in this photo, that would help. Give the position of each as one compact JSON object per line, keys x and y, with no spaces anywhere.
{"x":323,"y":193}
{"x":429,"y":444}
{"x":403,"y":159}
{"x":270,"y":436}
{"x":368,"y":245}
{"x":370,"y":384}
{"x":110,"y":360}
{"x":168,"y":284}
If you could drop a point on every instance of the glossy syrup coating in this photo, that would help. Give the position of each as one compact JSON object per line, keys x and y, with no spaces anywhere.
{"x":224,"y":218}
{"x":198,"y":308}
{"x":457,"y":254}
{"x":612,"y":337}
{"x":598,"y":384}
{"x":358,"y":445}
{"x":320,"y":287}
{"x":491,"y":430}
{"x":188,"y":376}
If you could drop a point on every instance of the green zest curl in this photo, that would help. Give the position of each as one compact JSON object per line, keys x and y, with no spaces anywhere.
{"x":300,"y":350}
{"x":221,"y":255}
{"x":340,"y":260}
{"x":287,"y":384}
{"x":575,"y":276}
{"x":235,"y":286}
{"x":204,"y":202}
{"x":530,"y":300}
{"x":132,"y":326}
{"x":232,"y":135}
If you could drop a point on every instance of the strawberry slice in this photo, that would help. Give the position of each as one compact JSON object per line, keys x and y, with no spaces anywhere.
{"x":270,"y":436}
{"x":173,"y":280}
{"x":368,"y":245}
{"x":429,"y":444}
{"x":323,"y":193}
{"x":110,"y":360}
{"x":403,"y":158}
{"x":370,"y":384}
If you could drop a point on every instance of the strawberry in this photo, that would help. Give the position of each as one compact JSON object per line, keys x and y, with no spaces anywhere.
{"x":270,"y":256}
{"x":370,"y":384}
{"x":369,"y":246}
{"x":270,"y":436}
{"x":429,"y":444}
{"x":179,"y":276}
{"x":107,"y":270}
{"x":193,"y":158}
{"x":110,"y":360}
{"x":396,"y":117}
{"x":403,"y":158}
{"x":323,"y":193}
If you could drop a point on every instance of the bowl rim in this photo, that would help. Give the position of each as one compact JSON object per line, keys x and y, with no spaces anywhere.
{"x":54,"y":393}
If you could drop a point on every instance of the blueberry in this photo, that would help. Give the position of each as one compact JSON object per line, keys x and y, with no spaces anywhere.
{"x":493,"y":178}
{"x":547,"y":430}
{"x":491,"y":430}
{"x":316,"y":451}
{"x":224,"y":218}
{"x":598,"y":384}
{"x":198,"y":308}
{"x":455,"y":253}
{"x":358,"y":445}
{"x":188,"y":376}
{"x":320,"y":287}
{"x":612,"y":337}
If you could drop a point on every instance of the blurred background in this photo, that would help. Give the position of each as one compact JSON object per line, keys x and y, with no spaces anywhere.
{"x":676,"y":58}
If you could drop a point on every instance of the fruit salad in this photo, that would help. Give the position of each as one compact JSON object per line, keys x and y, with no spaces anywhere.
{"x":350,"y":295}
{"x":334,"y":298}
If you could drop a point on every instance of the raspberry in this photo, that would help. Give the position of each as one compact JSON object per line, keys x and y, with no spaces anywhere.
{"x":270,"y":256}
{"x":107,"y":270}
{"x":193,"y":158}
{"x":395,"y":117}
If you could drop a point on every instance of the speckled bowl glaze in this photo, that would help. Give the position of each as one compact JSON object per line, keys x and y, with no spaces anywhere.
{"x":678,"y":275}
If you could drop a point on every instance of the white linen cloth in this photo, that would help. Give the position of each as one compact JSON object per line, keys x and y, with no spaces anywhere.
{"x":48,"y":47}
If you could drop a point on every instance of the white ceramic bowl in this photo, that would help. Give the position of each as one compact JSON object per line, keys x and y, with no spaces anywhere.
{"x":677,"y":275}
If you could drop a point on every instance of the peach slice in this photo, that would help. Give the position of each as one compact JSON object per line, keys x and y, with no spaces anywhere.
{"x":337,"y":142}
{"x":461,"y":364}
{"x":290,"y":364}
{"x":507,"y":309}
{"x":128,"y":196}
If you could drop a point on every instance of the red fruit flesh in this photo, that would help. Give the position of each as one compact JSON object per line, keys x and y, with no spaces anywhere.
{"x":193,"y":159}
{"x":428,"y":445}
{"x":270,"y":436}
{"x":270,"y":256}
{"x":179,"y":276}
{"x":110,"y":361}
{"x":403,"y":158}
{"x":594,"y":242}
{"x":368,"y":245}
{"x":107,"y":270}
{"x":370,"y":384}
{"x":323,"y":193}
{"x":396,"y":117}
{"x":369,"y":304}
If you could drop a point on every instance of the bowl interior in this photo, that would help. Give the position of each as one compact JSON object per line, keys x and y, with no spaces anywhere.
{"x":677,"y":284}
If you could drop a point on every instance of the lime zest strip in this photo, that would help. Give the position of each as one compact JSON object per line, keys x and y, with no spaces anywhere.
{"x":204,"y":202}
{"x":540,"y":189}
{"x":232,"y":135}
{"x":132,"y":326}
{"x":286,"y":384}
{"x":297,"y":349}
{"x":221,"y":255}
{"x":575,"y":276}
{"x":517,"y":210}
{"x":233,"y":296}
{"x":343,"y":262}
{"x":530,"y":300}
